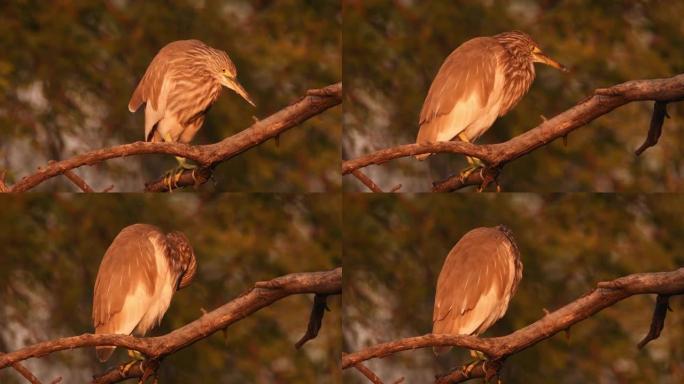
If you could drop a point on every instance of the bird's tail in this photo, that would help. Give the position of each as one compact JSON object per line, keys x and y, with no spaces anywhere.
{"x":441,"y":350}
{"x":104,"y":353}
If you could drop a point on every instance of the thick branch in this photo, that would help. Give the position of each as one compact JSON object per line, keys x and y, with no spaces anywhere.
{"x":315,"y":102}
{"x":605,"y":295}
{"x":263,"y":294}
{"x":486,"y":369}
{"x":496,"y":155}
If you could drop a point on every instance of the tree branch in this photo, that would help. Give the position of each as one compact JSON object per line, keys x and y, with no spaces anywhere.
{"x":658,"y":320}
{"x":601,"y":102}
{"x":320,"y":305}
{"x":498,"y":348}
{"x":206,"y":156}
{"x":26,"y":373}
{"x":261,"y":295}
{"x":366,"y":180}
{"x":370,"y":375}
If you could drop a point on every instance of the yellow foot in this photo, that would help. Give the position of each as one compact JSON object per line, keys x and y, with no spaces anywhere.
{"x":127,"y":367}
{"x":468,"y":171}
{"x":479,"y":358}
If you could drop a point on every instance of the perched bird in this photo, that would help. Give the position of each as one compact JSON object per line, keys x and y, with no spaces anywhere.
{"x":180,"y":85}
{"x":138,"y":275}
{"x":478,"y":279}
{"x":482,"y":79}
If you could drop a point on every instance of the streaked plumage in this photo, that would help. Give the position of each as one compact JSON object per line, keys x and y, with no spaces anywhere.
{"x":137,"y":278}
{"x":180,"y":85}
{"x":479,"y":81}
{"x":476,"y":283}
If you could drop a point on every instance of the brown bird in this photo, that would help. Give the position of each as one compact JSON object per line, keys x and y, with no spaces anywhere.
{"x":180,"y":85}
{"x":482,"y":79}
{"x":138,"y":275}
{"x":478,"y":279}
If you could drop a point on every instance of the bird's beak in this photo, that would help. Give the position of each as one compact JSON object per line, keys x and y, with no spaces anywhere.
{"x":542,"y":58}
{"x":235,"y":86}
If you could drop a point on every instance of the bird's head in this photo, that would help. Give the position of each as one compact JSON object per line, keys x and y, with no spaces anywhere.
{"x":182,"y":258}
{"x":523,"y":47}
{"x":226,"y":74}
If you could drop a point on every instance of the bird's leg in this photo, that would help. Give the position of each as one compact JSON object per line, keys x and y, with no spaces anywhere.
{"x":137,"y":357}
{"x":478,"y":357}
{"x":173,"y":175}
{"x":473,"y":162}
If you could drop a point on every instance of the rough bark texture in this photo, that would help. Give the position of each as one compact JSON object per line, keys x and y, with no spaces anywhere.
{"x":498,"y":348}
{"x":601,"y":102}
{"x":261,"y":295}
{"x":206,"y":156}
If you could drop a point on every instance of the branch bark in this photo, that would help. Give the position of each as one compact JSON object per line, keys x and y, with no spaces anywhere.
{"x":207,"y":156}
{"x":156,"y":348}
{"x":598,"y":104}
{"x":497,"y":348}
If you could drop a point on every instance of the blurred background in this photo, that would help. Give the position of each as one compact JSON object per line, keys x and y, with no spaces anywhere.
{"x":68,"y":69}
{"x":393,"y":49}
{"x":53,"y":245}
{"x":395,"y":245}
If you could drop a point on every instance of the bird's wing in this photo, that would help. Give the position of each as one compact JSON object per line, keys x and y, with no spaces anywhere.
{"x":126,"y":280}
{"x":463,"y":85}
{"x":150,"y":86}
{"x":473,"y":288}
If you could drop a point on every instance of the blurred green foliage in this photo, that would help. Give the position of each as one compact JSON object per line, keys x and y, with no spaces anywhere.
{"x":394,"y":247}
{"x":53,"y":244}
{"x":68,"y":69}
{"x":393,"y":49}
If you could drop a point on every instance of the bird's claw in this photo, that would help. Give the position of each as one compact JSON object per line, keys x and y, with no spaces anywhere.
{"x":463,"y":176}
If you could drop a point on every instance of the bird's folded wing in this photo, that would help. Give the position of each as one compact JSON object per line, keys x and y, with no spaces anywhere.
{"x":467,"y":76}
{"x":472,"y":283}
{"x":150,"y":85}
{"x":128,"y":270}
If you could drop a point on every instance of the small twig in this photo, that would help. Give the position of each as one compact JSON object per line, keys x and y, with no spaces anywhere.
{"x":320,"y":305}
{"x":78,"y":181}
{"x":26,"y":373}
{"x":368,"y":373}
{"x":366,"y":181}
{"x":3,"y":186}
{"x":656,"y":127}
{"x":658,"y":320}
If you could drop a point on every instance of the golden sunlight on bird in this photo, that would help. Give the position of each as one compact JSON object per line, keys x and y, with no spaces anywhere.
{"x":479,"y":81}
{"x":138,"y":275}
{"x":180,"y":85}
{"x":476,"y":283}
